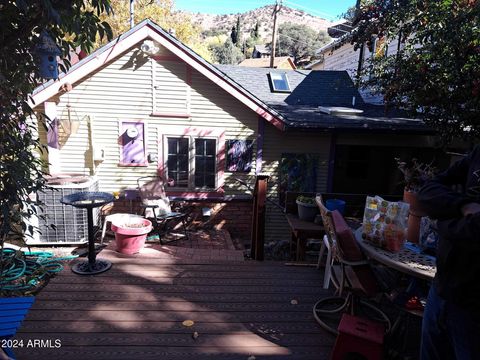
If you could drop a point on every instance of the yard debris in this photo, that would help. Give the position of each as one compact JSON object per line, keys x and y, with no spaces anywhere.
{"x":188,"y":323}
{"x":195,"y":335}
{"x":294,"y":302}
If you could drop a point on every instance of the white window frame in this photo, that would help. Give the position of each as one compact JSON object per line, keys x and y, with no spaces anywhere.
{"x":272,"y":83}
{"x":192,"y":134}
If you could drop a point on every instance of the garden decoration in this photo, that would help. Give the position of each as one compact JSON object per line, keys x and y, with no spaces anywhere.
{"x":47,"y":52}
{"x":89,"y":200}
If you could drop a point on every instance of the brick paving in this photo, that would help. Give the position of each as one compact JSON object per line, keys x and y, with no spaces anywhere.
{"x":215,"y":245}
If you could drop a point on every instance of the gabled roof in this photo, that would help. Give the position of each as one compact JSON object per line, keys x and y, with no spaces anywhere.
{"x":265,"y":62}
{"x":262,"y":49}
{"x":147,"y":29}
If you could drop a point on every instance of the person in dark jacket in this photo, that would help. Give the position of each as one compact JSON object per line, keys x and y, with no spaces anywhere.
{"x":451,"y":321}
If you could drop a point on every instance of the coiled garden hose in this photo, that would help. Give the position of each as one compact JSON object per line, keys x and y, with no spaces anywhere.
{"x":24,"y":270}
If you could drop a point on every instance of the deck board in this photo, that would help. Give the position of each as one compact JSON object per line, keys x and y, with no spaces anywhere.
{"x":136,"y":310}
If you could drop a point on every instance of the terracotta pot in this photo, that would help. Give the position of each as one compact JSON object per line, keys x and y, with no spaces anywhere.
{"x":131,"y":239}
{"x":414,"y":217}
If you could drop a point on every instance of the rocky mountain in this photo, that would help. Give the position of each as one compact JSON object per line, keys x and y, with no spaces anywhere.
{"x":222,"y":24}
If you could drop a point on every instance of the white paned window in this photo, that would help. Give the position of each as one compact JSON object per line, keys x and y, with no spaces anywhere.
{"x":191,"y":162}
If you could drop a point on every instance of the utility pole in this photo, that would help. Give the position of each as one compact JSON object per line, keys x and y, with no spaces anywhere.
{"x":132,"y":12}
{"x":276,"y":10}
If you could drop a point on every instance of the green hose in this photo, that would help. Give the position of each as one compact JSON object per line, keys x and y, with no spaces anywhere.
{"x":23,"y":271}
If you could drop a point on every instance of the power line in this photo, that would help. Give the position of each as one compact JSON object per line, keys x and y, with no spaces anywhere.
{"x":302,"y":42}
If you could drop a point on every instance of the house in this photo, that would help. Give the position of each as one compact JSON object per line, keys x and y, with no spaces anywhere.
{"x":146,"y":104}
{"x":261,"y":51}
{"x":280,"y":62}
{"x":340,"y":54}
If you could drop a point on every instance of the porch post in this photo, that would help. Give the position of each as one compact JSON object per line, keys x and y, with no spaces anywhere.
{"x":258,"y":219}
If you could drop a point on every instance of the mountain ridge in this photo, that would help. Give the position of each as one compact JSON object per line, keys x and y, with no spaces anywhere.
{"x":212,"y":24}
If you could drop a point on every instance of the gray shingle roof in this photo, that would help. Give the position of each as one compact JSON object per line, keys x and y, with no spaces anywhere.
{"x":311,"y":89}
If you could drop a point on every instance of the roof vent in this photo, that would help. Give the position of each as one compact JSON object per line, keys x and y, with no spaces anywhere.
{"x":339,"y":110}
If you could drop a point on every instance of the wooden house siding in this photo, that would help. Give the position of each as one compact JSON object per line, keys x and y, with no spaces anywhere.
{"x":126,"y":90}
{"x":275,"y":144}
{"x":346,"y":58}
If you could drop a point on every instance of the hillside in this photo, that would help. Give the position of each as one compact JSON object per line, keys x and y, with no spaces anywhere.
{"x":222,"y":24}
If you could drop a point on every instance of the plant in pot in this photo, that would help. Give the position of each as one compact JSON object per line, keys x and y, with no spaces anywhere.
{"x":415,"y":174}
{"x":131,"y":233}
{"x":307,"y":208}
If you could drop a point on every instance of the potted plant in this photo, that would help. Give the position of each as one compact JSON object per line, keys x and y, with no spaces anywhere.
{"x":131,"y":233}
{"x":307,"y":208}
{"x":415,"y":175}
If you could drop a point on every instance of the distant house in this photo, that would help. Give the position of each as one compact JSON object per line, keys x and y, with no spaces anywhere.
{"x":340,"y":54}
{"x":281,"y":62}
{"x":261,"y":51}
{"x":146,"y":104}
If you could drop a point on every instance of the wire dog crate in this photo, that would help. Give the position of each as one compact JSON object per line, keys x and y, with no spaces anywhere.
{"x":61,"y":224}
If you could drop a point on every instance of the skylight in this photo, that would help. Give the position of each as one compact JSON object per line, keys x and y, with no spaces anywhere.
{"x":279,"y":82}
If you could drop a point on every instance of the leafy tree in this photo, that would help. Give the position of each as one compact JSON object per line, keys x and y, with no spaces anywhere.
{"x":234,"y":35}
{"x":160,"y":11}
{"x":238,"y":30}
{"x":71,"y":24}
{"x":227,"y":53}
{"x":436,"y":72}
{"x":299,"y":41}
{"x":255,"y":33}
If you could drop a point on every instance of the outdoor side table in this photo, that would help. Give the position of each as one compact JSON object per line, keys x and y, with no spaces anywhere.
{"x":89,"y":200}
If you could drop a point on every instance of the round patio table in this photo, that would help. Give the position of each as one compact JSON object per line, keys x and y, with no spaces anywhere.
{"x":408,"y":260}
{"x":89,"y":200}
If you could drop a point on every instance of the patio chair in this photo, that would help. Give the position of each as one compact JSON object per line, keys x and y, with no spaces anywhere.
{"x":12,"y":313}
{"x":328,"y":243}
{"x":354,"y":276}
{"x":156,"y":206}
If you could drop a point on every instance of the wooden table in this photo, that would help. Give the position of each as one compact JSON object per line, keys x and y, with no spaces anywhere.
{"x":409,"y":260}
{"x":301,"y":231}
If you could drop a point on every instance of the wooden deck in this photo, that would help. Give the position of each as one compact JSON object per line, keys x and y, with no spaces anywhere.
{"x":136,"y":310}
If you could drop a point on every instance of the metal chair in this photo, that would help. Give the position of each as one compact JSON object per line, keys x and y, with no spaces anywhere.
{"x":352,"y":275}
{"x":156,"y":205}
{"x":328,"y":243}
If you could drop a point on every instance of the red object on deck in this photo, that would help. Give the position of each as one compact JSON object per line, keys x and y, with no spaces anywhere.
{"x":130,"y":240}
{"x":360,"y":336}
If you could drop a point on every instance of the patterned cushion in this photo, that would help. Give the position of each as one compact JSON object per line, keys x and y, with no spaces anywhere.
{"x":345,"y":239}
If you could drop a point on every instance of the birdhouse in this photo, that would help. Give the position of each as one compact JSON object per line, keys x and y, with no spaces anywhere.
{"x":47,"y":52}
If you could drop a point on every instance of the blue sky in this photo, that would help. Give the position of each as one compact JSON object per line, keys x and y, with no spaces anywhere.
{"x":328,"y":9}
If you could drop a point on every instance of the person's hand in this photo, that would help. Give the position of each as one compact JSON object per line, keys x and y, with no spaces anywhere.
{"x":470,"y":208}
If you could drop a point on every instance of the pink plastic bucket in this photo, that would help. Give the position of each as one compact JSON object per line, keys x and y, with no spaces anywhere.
{"x":130,"y":236}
